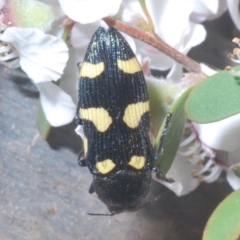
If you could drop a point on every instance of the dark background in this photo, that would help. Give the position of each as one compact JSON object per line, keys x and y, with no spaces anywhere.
{"x":44,"y":194}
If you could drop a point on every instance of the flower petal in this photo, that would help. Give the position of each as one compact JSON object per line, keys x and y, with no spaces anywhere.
{"x":176,"y":186}
{"x":79,"y":131}
{"x":233,"y":8}
{"x":81,"y":34}
{"x":175,"y":73}
{"x":162,"y":13}
{"x":89,"y":11}
{"x":43,"y":57}
{"x":232,"y":179}
{"x":2,"y":2}
{"x":207,"y":10}
{"x":132,"y":13}
{"x":69,"y":79}
{"x":158,"y":60}
{"x":212,"y":6}
{"x":180,"y":171}
{"x":207,"y":70}
{"x":183,"y":38}
{"x":221,"y":135}
{"x":57,"y":105}
{"x":196,"y":35}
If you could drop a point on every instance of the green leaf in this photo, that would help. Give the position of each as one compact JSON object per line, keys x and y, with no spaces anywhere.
{"x":44,"y":125}
{"x":236,"y":169}
{"x":174,"y":133}
{"x":224,"y":223}
{"x":161,"y":97}
{"x":215,"y":99}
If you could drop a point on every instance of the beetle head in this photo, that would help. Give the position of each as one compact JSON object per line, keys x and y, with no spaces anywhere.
{"x":124,"y":190}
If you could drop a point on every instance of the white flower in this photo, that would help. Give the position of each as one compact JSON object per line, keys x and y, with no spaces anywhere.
{"x":194,"y":163}
{"x":195,"y":160}
{"x":58,"y":106}
{"x":222,"y":135}
{"x":89,"y":11}
{"x":81,"y":35}
{"x":180,"y":171}
{"x":43,"y":57}
{"x":172,"y":26}
{"x":208,"y":150}
{"x":223,"y":138}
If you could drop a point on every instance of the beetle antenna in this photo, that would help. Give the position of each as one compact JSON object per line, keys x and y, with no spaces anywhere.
{"x":101,"y":214}
{"x":151,"y":201}
{"x":112,"y":214}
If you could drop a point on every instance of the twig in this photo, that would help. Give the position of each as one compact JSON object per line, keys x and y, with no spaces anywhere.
{"x":156,"y":42}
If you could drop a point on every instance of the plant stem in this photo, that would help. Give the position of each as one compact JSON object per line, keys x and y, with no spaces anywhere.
{"x":156,"y":42}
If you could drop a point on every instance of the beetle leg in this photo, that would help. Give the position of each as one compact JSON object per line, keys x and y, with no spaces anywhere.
{"x":160,"y":174}
{"x":78,"y":120}
{"x":81,"y":161}
{"x":163,"y":135}
{"x":91,"y":189}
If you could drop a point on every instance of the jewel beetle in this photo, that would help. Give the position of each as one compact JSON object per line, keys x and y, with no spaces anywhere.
{"x":113,"y":109}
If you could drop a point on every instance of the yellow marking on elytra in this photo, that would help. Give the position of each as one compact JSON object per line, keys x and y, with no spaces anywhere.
{"x":133,"y":113}
{"x":98,"y":116}
{"x":105,"y":166}
{"x":85,"y":146}
{"x":129,"y":66}
{"x":91,"y":70}
{"x":137,"y":162}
